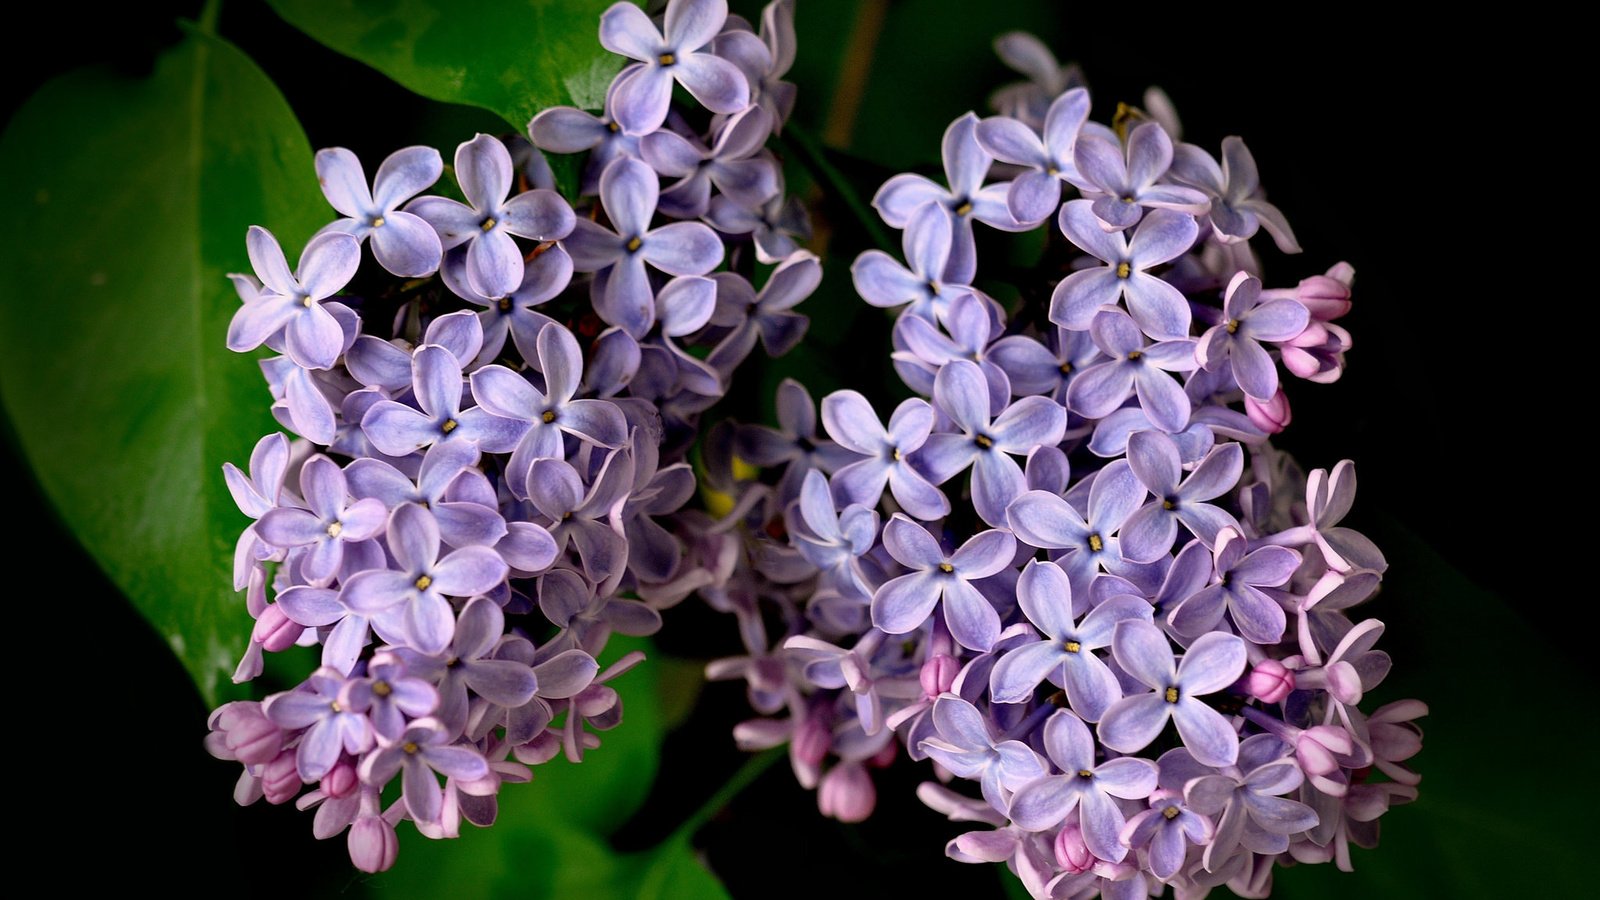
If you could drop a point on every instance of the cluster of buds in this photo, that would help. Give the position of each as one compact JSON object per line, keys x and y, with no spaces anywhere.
{"x":492,"y":423}
{"x":1071,"y":569}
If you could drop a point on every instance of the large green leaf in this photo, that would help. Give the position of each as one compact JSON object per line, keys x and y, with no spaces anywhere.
{"x":514,"y":57}
{"x":125,"y":203}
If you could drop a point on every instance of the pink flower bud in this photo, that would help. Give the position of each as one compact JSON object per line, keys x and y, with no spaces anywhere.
{"x":373,"y":844}
{"x":1270,"y":681}
{"x":241,"y":731}
{"x":1272,"y":416}
{"x":1327,"y":297}
{"x":812,"y":739}
{"x":938,"y":674}
{"x":1072,"y":853}
{"x":846,"y":793}
{"x":280,"y":781}
{"x":341,"y":780}
{"x":275,"y":631}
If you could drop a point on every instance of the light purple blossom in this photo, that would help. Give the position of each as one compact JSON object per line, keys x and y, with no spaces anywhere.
{"x":399,"y":430}
{"x":485,"y":224}
{"x":402,"y":243}
{"x":546,"y":416}
{"x":1137,"y":367}
{"x":1158,"y":307}
{"x":421,"y":750}
{"x":1247,"y":321}
{"x":408,"y":605}
{"x":328,"y":525}
{"x":290,"y":303}
{"x":1066,"y":655}
{"x":1128,"y":178}
{"x":986,"y":444}
{"x":967,"y":746}
{"x":882,"y":281}
{"x":1083,"y":786}
{"x":1166,"y":828}
{"x":623,"y":296}
{"x":966,"y":164}
{"x":1240,"y":577}
{"x":1212,"y":663}
{"x":644,"y":90}
{"x":1238,"y":205}
{"x":849,"y":419}
{"x":903,"y":604}
{"x":1148,"y":534}
{"x":1035,"y":194}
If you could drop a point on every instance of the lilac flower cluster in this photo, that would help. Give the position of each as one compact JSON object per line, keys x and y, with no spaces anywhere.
{"x":492,"y":428}
{"x":1072,"y":568}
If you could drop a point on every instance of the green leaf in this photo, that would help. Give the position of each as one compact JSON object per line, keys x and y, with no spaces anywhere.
{"x":514,"y":58}
{"x":125,"y":204}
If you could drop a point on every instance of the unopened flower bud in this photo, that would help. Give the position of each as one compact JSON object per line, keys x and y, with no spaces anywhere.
{"x":1270,"y":681}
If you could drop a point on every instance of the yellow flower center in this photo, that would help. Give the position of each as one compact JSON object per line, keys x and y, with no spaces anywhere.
{"x":1124,"y":270}
{"x":946,"y":568}
{"x":334,"y":529}
{"x":1171,"y":695}
{"x":423,"y":582}
{"x":1096,"y":544}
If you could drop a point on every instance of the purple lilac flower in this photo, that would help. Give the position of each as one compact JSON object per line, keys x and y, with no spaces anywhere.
{"x":1166,"y":828}
{"x":485,"y":224}
{"x":408,"y":605}
{"x":388,"y":696}
{"x":1212,"y":663}
{"x":644,"y":91}
{"x":882,"y":281}
{"x":1046,"y":520}
{"x":421,"y":750}
{"x":765,"y":58}
{"x":328,"y":525}
{"x":794,"y":444}
{"x":730,"y":164}
{"x":850,"y":421}
{"x":1238,"y":206}
{"x":1158,"y":307}
{"x":466,"y":663}
{"x":1240,"y":576}
{"x":461,"y":523}
{"x":1147,"y":535}
{"x":544,"y":277}
{"x":766,"y":314}
{"x":1047,"y":78}
{"x":1135,"y":366}
{"x":961,"y":391}
{"x":1247,"y":802}
{"x":329,"y":728}
{"x":966,"y":164}
{"x":1066,"y":654}
{"x":399,"y":430}
{"x":563,"y":129}
{"x":1127,"y":179}
{"x":402,"y":243}
{"x":1246,"y":321}
{"x":575,"y":512}
{"x":773,"y":227}
{"x":290,"y":303}
{"x":628,"y":190}
{"x":834,"y":541}
{"x":1082,"y":786}
{"x":1035,"y":194}
{"x":903,"y":604}
{"x":549,"y":415}
{"x":967,"y":746}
